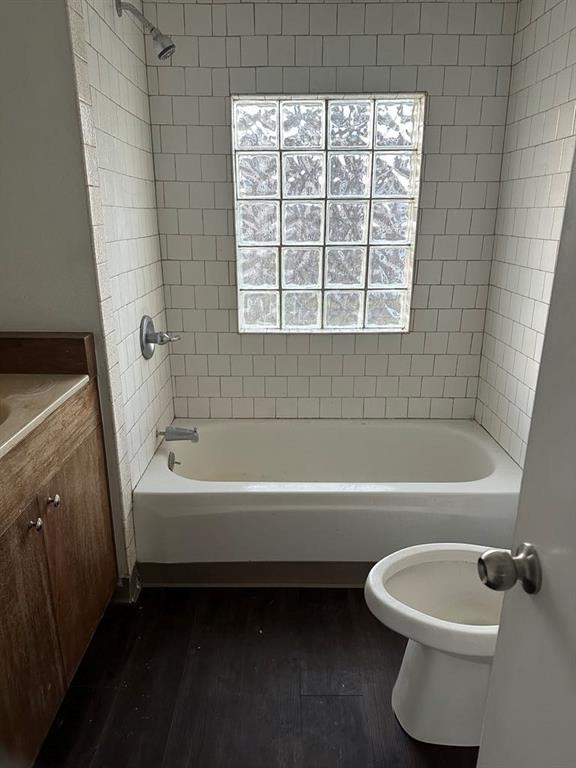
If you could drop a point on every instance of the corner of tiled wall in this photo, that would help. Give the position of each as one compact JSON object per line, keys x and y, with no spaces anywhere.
{"x":115,"y":122}
{"x":538,"y":155}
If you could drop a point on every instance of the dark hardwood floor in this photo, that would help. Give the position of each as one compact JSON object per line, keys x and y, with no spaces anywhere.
{"x":239,"y":678}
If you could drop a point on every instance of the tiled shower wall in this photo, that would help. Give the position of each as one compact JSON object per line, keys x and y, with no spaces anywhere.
{"x":113,"y":106}
{"x":460,"y":53}
{"x":539,"y":148}
{"x":120,"y":108}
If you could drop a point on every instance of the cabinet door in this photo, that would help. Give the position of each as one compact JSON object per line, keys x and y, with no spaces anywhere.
{"x":31,"y":675}
{"x":79,"y":545}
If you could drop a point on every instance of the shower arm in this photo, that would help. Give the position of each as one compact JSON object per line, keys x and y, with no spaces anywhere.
{"x":122,"y":5}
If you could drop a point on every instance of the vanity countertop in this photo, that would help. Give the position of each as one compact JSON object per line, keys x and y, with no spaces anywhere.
{"x":26,"y":399}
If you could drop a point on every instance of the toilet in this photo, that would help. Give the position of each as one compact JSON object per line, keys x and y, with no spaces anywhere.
{"x":432,"y":595}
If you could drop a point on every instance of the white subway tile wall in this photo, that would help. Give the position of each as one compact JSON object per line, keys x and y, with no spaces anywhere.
{"x":121,"y":113}
{"x":460,"y":54}
{"x":538,"y":154}
{"x":116,"y":444}
{"x":115,"y":122}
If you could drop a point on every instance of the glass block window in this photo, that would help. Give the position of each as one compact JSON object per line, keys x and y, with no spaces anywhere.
{"x":326,"y":199}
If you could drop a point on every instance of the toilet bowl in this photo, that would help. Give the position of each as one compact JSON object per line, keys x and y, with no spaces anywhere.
{"x":432,"y":595}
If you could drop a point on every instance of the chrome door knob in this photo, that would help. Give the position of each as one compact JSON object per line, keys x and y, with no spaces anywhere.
{"x":54,"y":500}
{"x":36,"y":524}
{"x":499,"y":569}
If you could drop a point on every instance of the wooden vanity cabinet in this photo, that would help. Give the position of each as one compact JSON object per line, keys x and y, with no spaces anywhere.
{"x":57,"y":567}
{"x":31,"y":675}
{"x":80,"y":559}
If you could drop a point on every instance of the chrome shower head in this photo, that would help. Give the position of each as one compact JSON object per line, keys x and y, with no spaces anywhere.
{"x":163,"y":44}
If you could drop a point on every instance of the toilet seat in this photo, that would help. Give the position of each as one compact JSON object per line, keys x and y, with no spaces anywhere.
{"x":432,"y":595}
{"x":432,"y":569}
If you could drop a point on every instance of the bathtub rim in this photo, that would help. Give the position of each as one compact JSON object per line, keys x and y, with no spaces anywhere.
{"x":505,"y":477}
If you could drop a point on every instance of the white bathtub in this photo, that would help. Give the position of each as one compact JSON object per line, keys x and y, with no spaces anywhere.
{"x":322,"y":490}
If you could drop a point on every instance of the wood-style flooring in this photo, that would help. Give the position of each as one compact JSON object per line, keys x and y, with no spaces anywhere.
{"x":239,"y":678}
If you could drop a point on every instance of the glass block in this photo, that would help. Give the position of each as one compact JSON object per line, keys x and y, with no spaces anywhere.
{"x":349,"y":174}
{"x":326,"y":200}
{"x":303,"y":174}
{"x":391,"y":221}
{"x":301,"y":267}
{"x":259,"y":310}
{"x":393,"y":174}
{"x":302,"y":222}
{"x":387,"y":309}
{"x":301,"y":309}
{"x":388,"y":267}
{"x":257,"y":267}
{"x":256,"y":124}
{"x":258,"y":174}
{"x":350,"y":124}
{"x":345,"y":267}
{"x":347,"y":221}
{"x":303,"y":124}
{"x":343,"y":309}
{"x":395,"y":123}
{"x":257,"y":223}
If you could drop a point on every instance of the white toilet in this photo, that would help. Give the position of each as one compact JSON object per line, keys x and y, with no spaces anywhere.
{"x":432,"y":595}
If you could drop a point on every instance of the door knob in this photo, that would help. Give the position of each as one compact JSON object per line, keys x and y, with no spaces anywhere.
{"x":36,"y":524}
{"x":499,"y":569}
{"x":54,"y":500}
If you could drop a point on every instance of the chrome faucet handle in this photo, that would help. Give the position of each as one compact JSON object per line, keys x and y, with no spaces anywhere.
{"x":161,"y":337}
{"x":150,"y":337}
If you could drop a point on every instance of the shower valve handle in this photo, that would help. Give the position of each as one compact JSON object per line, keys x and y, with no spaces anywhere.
{"x":161,"y":337}
{"x":150,"y":337}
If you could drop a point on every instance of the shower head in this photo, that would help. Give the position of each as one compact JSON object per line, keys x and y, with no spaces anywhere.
{"x":163,"y":44}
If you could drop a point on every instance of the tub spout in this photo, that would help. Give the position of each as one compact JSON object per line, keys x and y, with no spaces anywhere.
{"x":180,"y":433}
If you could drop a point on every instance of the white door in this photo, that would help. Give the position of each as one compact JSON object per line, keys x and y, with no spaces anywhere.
{"x":530,"y":719}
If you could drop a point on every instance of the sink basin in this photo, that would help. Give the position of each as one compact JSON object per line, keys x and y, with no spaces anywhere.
{"x":27,"y":399}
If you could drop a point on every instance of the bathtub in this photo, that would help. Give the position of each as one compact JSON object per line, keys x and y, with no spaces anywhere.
{"x":323,"y":491}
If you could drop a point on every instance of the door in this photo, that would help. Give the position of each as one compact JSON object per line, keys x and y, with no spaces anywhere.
{"x":31,"y":678}
{"x":78,"y":536}
{"x":530,"y":719}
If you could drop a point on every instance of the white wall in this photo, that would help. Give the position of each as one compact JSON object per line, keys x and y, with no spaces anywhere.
{"x":43,"y":236}
{"x":460,"y":52}
{"x":539,"y":147}
{"x":48,"y":274}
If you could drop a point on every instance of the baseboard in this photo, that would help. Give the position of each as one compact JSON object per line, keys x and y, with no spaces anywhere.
{"x":128,"y":588}
{"x":255,"y":574}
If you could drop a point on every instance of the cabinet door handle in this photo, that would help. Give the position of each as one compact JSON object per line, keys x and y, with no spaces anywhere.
{"x":54,"y":500}
{"x":36,"y":524}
